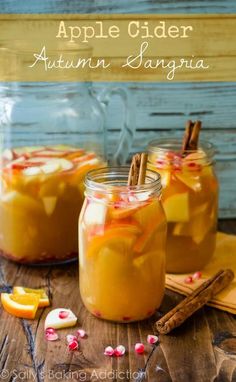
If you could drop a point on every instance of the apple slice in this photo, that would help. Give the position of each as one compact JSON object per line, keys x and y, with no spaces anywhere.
{"x":95,"y":213}
{"x":165,"y":177}
{"x":60,"y":318}
{"x":9,"y":154}
{"x":177,"y":208}
{"x":191,"y":180}
{"x":16,"y":162}
{"x":50,"y":168}
{"x":21,"y":201}
{"x":32,"y":171}
{"x":50,"y":153}
{"x":121,"y":212}
{"x":28,"y":149}
{"x":49,"y":203}
{"x":198,"y":158}
{"x":84,"y":158}
{"x":65,"y":164}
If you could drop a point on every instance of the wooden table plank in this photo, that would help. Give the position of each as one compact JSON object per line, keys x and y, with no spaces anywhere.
{"x":195,"y":352}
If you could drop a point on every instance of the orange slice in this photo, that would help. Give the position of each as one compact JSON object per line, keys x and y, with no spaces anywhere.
{"x":123,"y":212}
{"x":125,"y":233}
{"x":23,"y":306}
{"x":43,"y":297}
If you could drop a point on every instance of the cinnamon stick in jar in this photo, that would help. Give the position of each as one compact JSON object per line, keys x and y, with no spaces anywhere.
{"x":137,"y":172}
{"x":194,"y":301}
{"x":191,"y":136}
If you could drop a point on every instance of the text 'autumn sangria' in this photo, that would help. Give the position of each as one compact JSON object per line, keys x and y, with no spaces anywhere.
{"x":122,"y":233}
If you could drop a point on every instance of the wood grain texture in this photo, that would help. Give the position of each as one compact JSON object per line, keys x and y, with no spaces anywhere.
{"x":203,"y":349}
{"x":120,"y":6}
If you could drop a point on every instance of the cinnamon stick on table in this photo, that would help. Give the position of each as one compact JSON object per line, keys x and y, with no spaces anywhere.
{"x":191,"y":136}
{"x":137,"y":172}
{"x":194,"y":301}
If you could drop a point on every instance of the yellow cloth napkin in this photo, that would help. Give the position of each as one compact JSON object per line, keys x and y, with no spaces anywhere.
{"x":224,"y":257}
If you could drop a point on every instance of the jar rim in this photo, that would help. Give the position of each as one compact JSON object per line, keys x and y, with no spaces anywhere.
{"x":166,"y":144}
{"x":117,"y":178}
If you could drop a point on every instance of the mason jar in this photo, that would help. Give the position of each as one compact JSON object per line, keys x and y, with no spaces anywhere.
{"x":122,"y":232}
{"x":190,"y":201}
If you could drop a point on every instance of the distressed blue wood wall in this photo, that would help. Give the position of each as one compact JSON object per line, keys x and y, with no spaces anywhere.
{"x":162,"y":108}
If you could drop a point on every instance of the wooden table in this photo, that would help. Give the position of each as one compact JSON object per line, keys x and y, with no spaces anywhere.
{"x":202,"y":350}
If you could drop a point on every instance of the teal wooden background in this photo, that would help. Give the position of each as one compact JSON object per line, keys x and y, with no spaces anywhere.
{"x":162,"y":108}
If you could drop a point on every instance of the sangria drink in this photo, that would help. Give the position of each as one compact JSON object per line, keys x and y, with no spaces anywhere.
{"x":122,"y":233}
{"x":40,"y":200}
{"x":190,"y":201}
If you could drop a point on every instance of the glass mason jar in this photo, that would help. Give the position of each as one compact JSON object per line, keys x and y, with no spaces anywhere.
{"x":190,"y":201}
{"x":51,"y":134}
{"x":122,"y":233}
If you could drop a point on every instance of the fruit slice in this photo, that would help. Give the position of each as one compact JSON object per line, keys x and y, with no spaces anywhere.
{"x":165,"y":177}
{"x":155,"y":224}
{"x":23,"y":306}
{"x":50,"y":153}
{"x":50,"y":168}
{"x":9,"y":154}
{"x":191,"y":180}
{"x":199,"y":158}
{"x":60,"y":318}
{"x":113,"y":235}
{"x":49,"y":203}
{"x":21,"y":201}
{"x":32,"y":171}
{"x":95,"y":213}
{"x":121,"y":212}
{"x":177,"y":208}
{"x":63,"y":163}
{"x":43,"y":298}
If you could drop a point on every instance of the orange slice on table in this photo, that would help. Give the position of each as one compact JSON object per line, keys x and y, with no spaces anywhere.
{"x":115,"y":234}
{"x":43,"y":297}
{"x":23,"y":306}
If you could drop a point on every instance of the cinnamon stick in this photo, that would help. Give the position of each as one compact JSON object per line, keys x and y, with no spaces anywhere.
{"x":137,"y":172}
{"x":191,"y":136}
{"x":194,"y":301}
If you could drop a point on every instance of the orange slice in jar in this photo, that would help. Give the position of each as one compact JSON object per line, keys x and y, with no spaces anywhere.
{"x":43,"y":297}
{"x":22,"y":306}
{"x":151,"y":218}
{"x":112,"y":235}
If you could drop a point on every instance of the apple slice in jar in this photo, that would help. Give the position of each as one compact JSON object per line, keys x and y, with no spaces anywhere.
{"x":9,"y":155}
{"x":49,"y":153}
{"x":95,"y":214}
{"x":49,"y":203}
{"x":15,"y":199}
{"x":177,"y":207}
